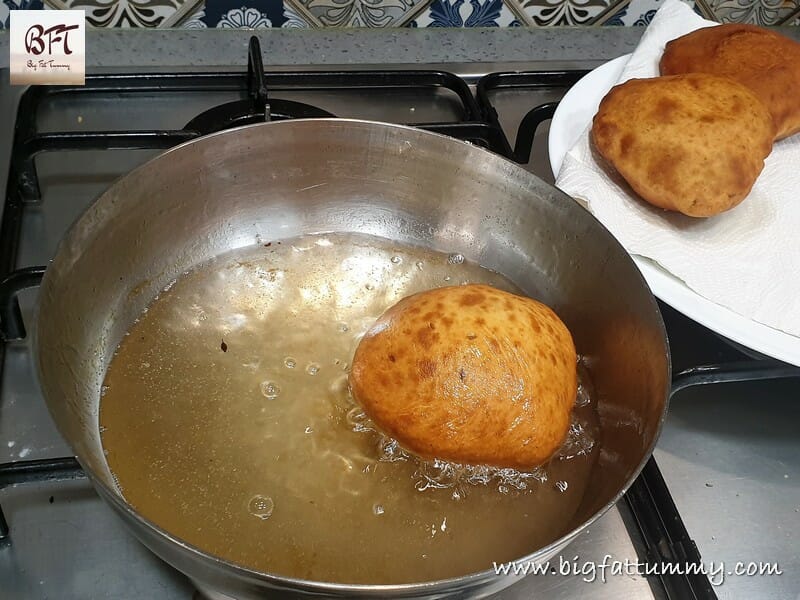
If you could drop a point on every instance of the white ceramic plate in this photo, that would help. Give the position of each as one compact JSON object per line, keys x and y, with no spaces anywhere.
{"x":573,"y":115}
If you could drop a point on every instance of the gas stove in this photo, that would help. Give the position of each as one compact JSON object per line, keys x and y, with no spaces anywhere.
{"x":721,"y":490}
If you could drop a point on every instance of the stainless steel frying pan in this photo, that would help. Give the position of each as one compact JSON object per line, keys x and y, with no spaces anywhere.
{"x":289,"y":178}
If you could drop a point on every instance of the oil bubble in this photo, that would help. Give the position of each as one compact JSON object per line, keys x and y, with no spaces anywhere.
{"x":312,"y":368}
{"x":378,"y":509}
{"x":583,"y":397}
{"x":343,"y":327}
{"x":289,"y":362}
{"x":261,"y":507}
{"x":357,"y":420}
{"x":396,"y":260}
{"x":270,"y":389}
{"x":455,"y":259}
{"x":419,"y":264}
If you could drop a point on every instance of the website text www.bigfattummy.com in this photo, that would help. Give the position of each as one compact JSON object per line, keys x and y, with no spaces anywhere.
{"x":591,"y":571}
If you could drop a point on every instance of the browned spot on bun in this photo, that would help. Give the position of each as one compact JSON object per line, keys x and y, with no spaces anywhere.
{"x":499,"y":396}
{"x":535,"y":324}
{"x":625,"y":144}
{"x":426,"y":368}
{"x":666,"y":109}
{"x":471,"y":299}
{"x":657,"y":132}
{"x":764,"y":61}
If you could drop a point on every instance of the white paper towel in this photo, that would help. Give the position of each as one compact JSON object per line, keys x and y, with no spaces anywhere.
{"x":746,"y":259}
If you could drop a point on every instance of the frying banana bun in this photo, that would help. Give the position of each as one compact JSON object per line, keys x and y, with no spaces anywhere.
{"x":469,"y":374}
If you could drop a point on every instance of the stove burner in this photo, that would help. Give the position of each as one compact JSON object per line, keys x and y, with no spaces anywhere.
{"x":471,"y":125}
{"x":240,"y":112}
{"x":258,"y":108}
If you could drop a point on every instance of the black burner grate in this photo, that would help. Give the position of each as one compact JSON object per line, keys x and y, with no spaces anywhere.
{"x":655,"y":519}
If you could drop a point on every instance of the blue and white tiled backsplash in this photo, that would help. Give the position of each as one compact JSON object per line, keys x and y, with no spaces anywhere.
{"x":253,"y":14}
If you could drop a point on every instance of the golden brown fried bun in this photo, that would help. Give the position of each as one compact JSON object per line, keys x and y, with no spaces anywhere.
{"x":691,"y":143}
{"x":764,"y":61}
{"x":469,"y":374}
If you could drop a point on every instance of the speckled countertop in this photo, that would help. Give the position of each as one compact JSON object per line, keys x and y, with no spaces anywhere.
{"x":556,"y":46}
{"x":215,"y":48}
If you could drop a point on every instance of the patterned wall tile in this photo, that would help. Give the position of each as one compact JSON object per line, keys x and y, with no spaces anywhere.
{"x":759,"y":12}
{"x":196,"y":21}
{"x":635,"y":13}
{"x":617,"y":14}
{"x":564,"y":12}
{"x":252,"y":14}
{"x":6,"y":6}
{"x":294,"y":20}
{"x":459,"y":13}
{"x":245,"y":14}
{"x":359,"y":13}
{"x":127,"y":13}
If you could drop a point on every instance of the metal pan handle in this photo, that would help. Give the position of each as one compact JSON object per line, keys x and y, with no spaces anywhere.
{"x":728,"y":372}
